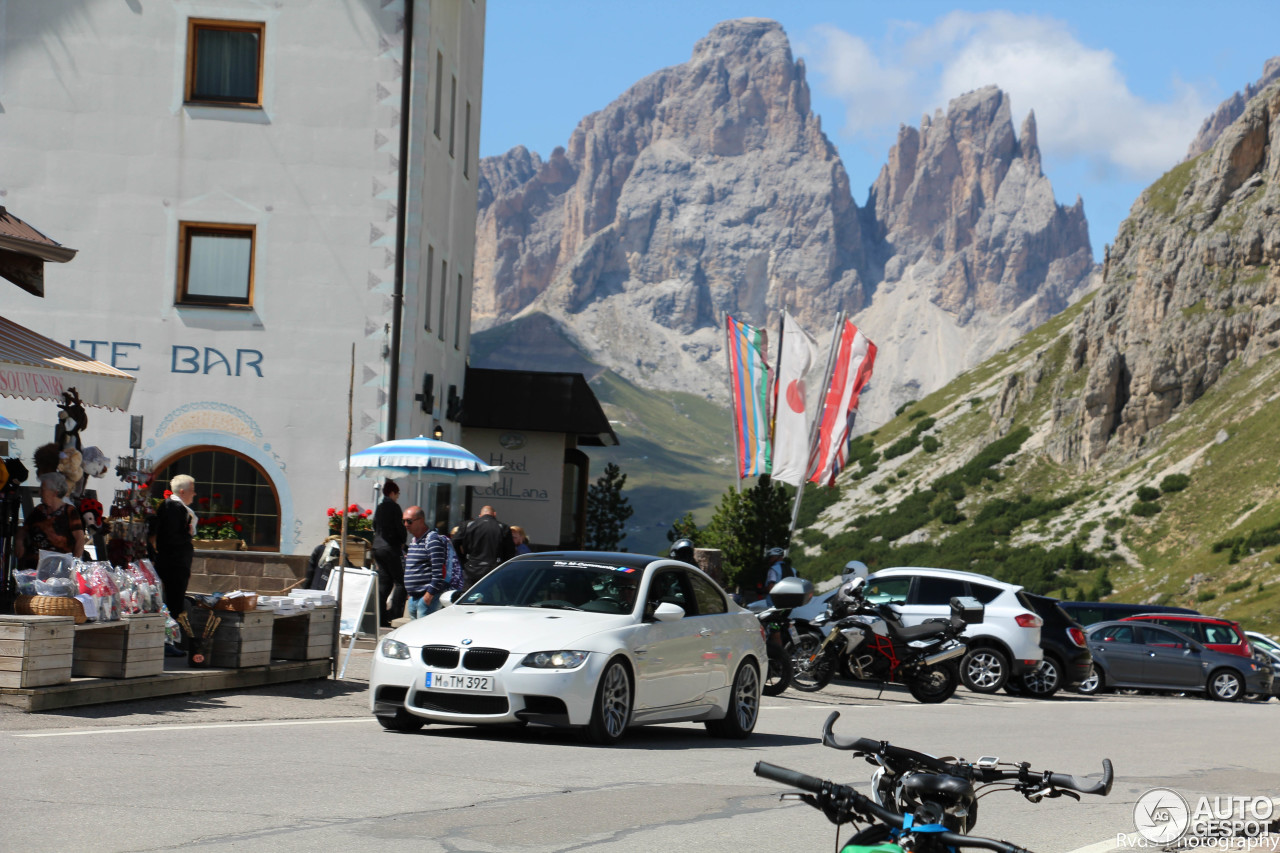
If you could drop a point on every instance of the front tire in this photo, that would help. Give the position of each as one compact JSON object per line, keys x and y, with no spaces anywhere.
{"x":1043,"y":681}
{"x":984,"y":669}
{"x":934,"y":684}
{"x":1225,"y":685}
{"x":808,"y":673}
{"x":400,"y":721}
{"x":611,"y":711}
{"x":744,"y":706}
{"x":778,"y":677}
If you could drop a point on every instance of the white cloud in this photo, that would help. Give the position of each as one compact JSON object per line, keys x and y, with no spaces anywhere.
{"x":1083,"y":105}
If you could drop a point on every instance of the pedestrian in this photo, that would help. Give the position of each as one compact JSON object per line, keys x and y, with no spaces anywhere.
{"x":483,"y":545}
{"x":520,"y":540}
{"x":175,"y":528}
{"x":424,"y":564}
{"x":388,"y":553}
{"x":52,"y":525}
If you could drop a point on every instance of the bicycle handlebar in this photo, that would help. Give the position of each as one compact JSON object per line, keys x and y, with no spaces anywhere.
{"x":909,"y":759}
{"x":847,"y":798}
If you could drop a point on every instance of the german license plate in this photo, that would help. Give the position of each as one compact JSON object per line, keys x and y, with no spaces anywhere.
{"x":459,"y":681}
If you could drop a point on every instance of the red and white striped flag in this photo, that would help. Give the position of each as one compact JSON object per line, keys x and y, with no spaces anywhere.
{"x":855,"y":358}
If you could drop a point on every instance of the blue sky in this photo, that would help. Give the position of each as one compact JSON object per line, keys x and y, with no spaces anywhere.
{"x":1119,"y":88}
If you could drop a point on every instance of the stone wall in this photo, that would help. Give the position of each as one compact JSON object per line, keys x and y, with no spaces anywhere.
{"x":261,"y":572}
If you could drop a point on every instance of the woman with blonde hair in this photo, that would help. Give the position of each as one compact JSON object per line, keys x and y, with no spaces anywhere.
{"x":519,"y":537}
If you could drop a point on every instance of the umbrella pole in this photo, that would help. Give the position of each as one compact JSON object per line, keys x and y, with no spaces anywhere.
{"x":346,"y":493}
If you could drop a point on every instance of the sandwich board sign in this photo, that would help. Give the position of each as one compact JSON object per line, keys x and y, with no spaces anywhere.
{"x":358,"y":611}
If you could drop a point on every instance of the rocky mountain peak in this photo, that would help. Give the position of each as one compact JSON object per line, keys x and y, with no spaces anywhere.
{"x":709,"y":188}
{"x":1231,"y":109}
{"x":1190,"y":286}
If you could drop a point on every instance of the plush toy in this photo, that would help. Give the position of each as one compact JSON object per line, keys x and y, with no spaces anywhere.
{"x":91,"y":513}
{"x":94,"y":462}
{"x":46,"y":458}
{"x":69,"y":467}
{"x":72,"y":420}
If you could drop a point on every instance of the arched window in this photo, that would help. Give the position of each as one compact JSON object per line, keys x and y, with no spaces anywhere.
{"x":228,"y":484}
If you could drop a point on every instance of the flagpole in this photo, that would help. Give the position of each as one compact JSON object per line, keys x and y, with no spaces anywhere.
{"x":817,"y":422}
{"x":777,"y":372}
{"x":733,"y":411}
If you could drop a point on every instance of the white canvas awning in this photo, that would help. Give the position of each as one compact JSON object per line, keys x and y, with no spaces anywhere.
{"x":37,"y":368}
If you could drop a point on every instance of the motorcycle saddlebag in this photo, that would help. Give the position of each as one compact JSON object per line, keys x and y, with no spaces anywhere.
{"x":967,"y":608}
{"x":791,"y":592}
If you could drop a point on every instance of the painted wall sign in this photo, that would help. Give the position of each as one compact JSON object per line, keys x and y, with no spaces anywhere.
{"x":530,"y":488}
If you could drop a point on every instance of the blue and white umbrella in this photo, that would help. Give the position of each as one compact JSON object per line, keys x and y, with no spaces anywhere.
{"x":426,"y":459}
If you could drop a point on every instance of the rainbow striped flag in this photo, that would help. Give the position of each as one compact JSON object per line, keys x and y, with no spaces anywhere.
{"x":749,"y":382}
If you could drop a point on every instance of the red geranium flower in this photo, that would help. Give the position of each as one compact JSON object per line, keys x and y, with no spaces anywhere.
{"x":238,"y":528}
{"x":353,"y":508}
{"x":332,"y":512}
{"x":237,"y":504}
{"x":167,"y":494}
{"x":204,"y":502}
{"x":217,"y":497}
{"x":368,"y":512}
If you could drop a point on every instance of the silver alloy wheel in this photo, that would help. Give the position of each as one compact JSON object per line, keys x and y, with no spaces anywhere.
{"x":746,"y":697}
{"x":985,"y":670}
{"x":615,"y":700}
{"x":1226,"y":685}
{"x":1043,"y":679}
{"x":1089,"y":685}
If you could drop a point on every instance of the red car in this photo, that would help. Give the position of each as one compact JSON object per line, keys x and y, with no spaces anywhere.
{"x":1220,"y":635}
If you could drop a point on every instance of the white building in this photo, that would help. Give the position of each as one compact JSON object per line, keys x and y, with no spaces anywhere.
{"x":229,"y":171}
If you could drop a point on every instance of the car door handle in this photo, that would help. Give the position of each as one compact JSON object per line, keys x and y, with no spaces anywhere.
{"x":1151,"y":654}
{"x":706,"y":632}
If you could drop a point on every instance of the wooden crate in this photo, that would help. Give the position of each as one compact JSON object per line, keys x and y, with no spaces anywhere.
{"x":35,"y":651}
{"x":130,"y":648}
{"x":241,"y":639}
{"x":304,"y":636}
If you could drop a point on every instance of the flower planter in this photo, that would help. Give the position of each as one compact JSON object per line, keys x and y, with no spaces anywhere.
{"x":218,"y":544}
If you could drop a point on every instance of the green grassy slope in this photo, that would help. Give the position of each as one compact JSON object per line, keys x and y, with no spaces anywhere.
{"x":1214,"y":545}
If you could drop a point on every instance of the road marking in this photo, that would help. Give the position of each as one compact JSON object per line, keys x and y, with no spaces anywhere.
{"x":178,"y":728}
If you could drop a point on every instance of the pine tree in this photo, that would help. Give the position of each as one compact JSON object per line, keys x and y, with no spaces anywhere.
{"x":745,"y":525}
{"x":607,"y":511}
{"x":684,"y":527}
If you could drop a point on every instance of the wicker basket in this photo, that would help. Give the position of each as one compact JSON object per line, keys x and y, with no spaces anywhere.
{"x":49,"y":605}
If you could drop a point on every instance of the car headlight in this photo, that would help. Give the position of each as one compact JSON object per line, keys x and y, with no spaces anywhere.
{"x":555,"y":660}
{"x":394,"y":649}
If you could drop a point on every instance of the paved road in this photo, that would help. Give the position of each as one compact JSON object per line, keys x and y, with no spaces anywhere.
{"x":303,"y":768}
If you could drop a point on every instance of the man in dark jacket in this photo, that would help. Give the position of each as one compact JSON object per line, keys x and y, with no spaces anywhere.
{"x":388,"y":553}
{"x":483,"y":544}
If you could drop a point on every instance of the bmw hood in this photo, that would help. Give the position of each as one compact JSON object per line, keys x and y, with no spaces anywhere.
{"x":525,"y":629}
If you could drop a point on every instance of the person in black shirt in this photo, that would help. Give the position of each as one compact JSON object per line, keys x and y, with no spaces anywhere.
{"x":483,"y":545}
{"x":175,"y":527}
{"x":388,"y":553}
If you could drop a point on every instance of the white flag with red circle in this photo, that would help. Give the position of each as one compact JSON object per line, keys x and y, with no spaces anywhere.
{"x":790,"y":411}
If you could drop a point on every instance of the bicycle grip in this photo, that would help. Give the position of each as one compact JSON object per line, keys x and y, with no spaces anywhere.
{"x":794,"y":778}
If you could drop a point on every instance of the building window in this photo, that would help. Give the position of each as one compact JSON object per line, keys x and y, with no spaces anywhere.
{"x":444,"y":289}
{"x":224,"y":62}
{"x":426,"y":295}
{"x":228,"y":485}
{"x":457,"y":317}
{"x":439,"y":89}
{"x":466,"y":144}
{"x":453,"y":109}
{"x":215,"y":264}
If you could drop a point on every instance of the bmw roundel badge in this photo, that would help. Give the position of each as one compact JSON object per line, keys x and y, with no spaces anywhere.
{"x":466,"y":642}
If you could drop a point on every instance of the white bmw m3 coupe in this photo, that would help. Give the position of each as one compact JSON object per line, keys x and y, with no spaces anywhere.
{"x":601,"y":641}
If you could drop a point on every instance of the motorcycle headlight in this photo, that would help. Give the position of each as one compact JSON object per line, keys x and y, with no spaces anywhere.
{"x":394,"y":649}
{"x":555,"y":660}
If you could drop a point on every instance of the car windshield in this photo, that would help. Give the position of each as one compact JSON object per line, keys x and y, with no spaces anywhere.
{"x":558,"y":585}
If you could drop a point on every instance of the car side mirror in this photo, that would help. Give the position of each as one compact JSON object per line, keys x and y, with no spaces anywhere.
{"x":668,"y":612}
{"x":447,"y":598}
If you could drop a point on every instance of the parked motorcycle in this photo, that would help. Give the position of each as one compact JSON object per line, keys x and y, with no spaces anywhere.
{"x":780,"y":634}
{"x":921,"y":803}
{"x":871,"y":642}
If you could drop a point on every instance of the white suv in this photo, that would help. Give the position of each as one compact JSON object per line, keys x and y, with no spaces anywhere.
{"x":1005,"y":643}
